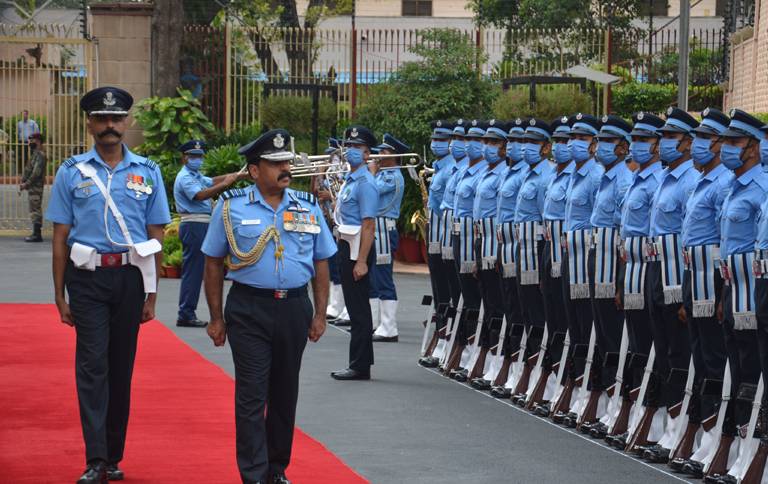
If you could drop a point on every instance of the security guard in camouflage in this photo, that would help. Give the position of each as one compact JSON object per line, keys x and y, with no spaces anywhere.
{"x":33,"y":181}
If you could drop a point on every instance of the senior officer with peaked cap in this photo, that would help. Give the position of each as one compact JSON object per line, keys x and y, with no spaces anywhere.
{"x":356,"y":211}
{"x":274,"y":241}
{"x":108,"y":207}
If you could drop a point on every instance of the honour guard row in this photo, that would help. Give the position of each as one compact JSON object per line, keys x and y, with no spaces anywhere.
{"x":611,"y":276}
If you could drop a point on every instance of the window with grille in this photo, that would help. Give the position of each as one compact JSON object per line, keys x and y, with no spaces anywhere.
{"x":417,"y":8}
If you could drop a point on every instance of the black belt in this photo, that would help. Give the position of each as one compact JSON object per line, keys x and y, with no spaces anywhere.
{"x":272,"y":293}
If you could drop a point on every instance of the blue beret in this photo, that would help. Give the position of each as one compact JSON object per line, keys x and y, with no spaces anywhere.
{"x":106,"y":100}
{"x":271,"y":146}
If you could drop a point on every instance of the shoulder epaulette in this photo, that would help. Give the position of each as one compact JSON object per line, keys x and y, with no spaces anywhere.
{"x":762,"y":180}
{"x":151,"y":164}
{"x":235,"y":192}
{"x":70,"y":162}
{"x":306,"y":196}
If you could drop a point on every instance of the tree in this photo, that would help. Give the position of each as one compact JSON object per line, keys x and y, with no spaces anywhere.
{"x":167,"y":31}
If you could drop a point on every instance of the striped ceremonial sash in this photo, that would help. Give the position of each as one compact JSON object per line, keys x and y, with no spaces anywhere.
{"x":672,"y":261}
{"x":446,"y":225}
{"x":555,"y":235}
{"x":703,"y":259}
{"x":605,"y":262}
{"x":434,"y":244}
{"x":381,"y":240}
{"x":742,"y":290}
{"x":528,"y":234}
{"x":506,"y":235}
{"x":634,"y":279}
{"x":466,"y":239}
{"x":578,"y":249}
{"x":488,"y":245}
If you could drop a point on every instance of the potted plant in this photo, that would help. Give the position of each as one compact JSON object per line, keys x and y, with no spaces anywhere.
{"x":172,"y":252}
{"x":172,"y":264}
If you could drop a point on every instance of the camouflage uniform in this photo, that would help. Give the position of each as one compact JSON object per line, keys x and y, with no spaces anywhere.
{"x":34,"y":177}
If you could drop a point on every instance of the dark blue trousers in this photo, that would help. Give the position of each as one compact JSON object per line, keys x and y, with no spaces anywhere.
{"x":192,"y":235}
{"x":382,"y":279}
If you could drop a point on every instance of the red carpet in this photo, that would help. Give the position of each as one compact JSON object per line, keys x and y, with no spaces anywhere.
{"x":182,"y":427}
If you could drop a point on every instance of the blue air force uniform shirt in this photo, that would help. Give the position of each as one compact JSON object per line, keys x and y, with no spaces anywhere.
{"x":580,"y":199}
{"x":671,"y":197}
{"x":359,"y":197}
{"x":449,"y":195}
{"x":390,"y":185}
{"x":510,"y":188}
{"x":250,"y":217}
{"x":635,"y":214}
{"x":189,"y":183}
{"x":554,"y":199}
{"x":488,"y":191}
{"x":610,"y":196}
{"x":466,"y":189}
{"x":702,"y":212}
{"x":443,"y":171}
{"x":739,"y":215}
{"x":136,"y":187}
{"x":530,"y":200}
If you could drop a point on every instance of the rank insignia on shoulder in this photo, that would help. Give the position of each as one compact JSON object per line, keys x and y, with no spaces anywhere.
{"x":306,"y":196}
{"x":70,"y":162}
{"x":235,"y":192}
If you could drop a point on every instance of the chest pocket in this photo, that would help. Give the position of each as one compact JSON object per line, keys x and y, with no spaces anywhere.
{"x":467,"y":191}
{"x":85,"y":192}
{"x":738,"y":212}
{"x":558,"y":195}
{"x":668,"y":206}
{"x":528,"y":192}
{"x":580,"y":200}
{"x":636,"y":203}
{"x":437,"y":186}
{"x":490,"y":192}
{"x":346,"y":194}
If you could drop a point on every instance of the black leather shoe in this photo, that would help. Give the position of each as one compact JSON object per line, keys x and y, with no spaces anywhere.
{"x":598,"y":431}
{"x":279,"y":479}
{"x":542,"y":410}
{"x":429,"y":361}
{"x":656,"y":454}
{"x":191,"y":323}
{"x":350,"y":374}
{"x":94,"y":474}
{"x":694,"y":468}
{"x":454,"y":374}
{"x":342,"y":322}
{"x":677,"y":464}
{"x":559,"y":417}
{"x":500,"y":392}
{"x":571,"y":420}
{"x":384,"y":339}
{"x":114,"y":473}
{"x":715,"y":478}
{"x":480,"y":384}
{"x":727,"y":479}
{"x":33,"y":238}
{"x":618,"y":441}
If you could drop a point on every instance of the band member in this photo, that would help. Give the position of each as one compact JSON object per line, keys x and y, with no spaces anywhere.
{"x":390,"y":184}
{"x":192,"y":192}
{"x":356,"y":212}
{"x":274,"y":242}
{"x":108,"y":207}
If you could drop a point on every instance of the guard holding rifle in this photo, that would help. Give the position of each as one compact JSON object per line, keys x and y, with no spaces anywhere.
{"x":355,"y":213}
{"x":391,"y":186}
{"x":108,"y":207}
{"x":274,"y":241}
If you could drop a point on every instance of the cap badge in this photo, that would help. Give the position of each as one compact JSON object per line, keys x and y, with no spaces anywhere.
{"x":605,"y":118}
{"x":640,"y":116}
{"x":109,"y":99}
{"x":733,"y":112}
{"x":705,"y":112}
{"x":474,"y":122}
{"x":353,"y":133}
{"x":532,"y":122}
{"x":197,"y":146}
{"x":460,"y":121}
{"x":278,"y":141}
{"x":518,"y":121}
{"x":564,"y":119}
{"x":439,"y":124}
{"x":579,"y":116}
{"x":670,"y":110}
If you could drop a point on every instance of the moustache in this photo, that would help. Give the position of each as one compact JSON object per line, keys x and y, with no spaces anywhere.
{"x":284,"y":175}
{"x":109,"y":131}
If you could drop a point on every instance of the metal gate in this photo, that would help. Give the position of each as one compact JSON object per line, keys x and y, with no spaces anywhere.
{"x":44,"y":70}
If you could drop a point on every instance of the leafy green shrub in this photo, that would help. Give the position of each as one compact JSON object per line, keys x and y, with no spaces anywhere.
{"x":551,"y":103}
{"x":702,"y":97}
{"x":222,"y":160}
{"x":294,"y":113}
{"x":633,"y":97}
{"x":239,"y":137}
{"x":761,"y":116}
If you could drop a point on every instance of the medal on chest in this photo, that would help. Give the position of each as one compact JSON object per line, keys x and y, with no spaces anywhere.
{"x":300,"y":222}
{"x":139,"y":185}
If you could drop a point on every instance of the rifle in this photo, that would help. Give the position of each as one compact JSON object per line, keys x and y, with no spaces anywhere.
{"x":686,"y":433}
{"x":588,"y":413}
{"x":539,"y":375}
{"x":644,"y":415}
{"x":451,"y":332}
{"x":748,"y":455}
{"x":717,"y":458}
{"x":426,"y":300}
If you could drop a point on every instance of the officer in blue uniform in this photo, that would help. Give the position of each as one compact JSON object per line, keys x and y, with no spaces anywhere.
{"x":603,"y":263}
{"x":701,"y":242}
{"x":192,"y":192}
{"x":739,"y":220}
{"x":274,"y":241}
{"x":391,"y":186}
{"x":486,"y":243}
{"x":356,"y":211}
{"x":108,"y":207}
{"x":552,"y":258}
{"x":506,"y":205}
{"x":635,"y":232}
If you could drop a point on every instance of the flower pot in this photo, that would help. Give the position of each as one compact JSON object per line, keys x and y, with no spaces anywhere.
{"x":172,"y":272}
{"x":410,"y":250}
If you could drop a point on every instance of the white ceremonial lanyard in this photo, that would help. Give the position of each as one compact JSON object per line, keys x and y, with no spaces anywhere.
{"x":109,"y":204}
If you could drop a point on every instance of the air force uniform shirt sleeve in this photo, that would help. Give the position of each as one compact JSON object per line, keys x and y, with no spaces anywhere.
{"x":740,"y":212}
{"x":390,"y":186}
{"x":188,"y":184}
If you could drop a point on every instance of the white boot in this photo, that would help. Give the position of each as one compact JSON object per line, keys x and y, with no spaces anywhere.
{"x":388,"y":326}
{"x":336,"y":302}
{"x":375,"y":312}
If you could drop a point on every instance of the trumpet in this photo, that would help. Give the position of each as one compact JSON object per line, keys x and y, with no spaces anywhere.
{"x":317,"y":166}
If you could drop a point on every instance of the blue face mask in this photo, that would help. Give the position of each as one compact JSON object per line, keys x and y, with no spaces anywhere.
{"x":439,"y":148}
{"x":194,"y":164}
{"x":458,"y":149}
{"x":730,"y":156}
{"x":514,"y":151}
{"x":354,"y":157}
{"x":606,"y":153}
{"x":641,"y":151}
{"x":475,"y":149}
{"x":561,"y":153}
{"x":531,"y":153}
{"x":579,"y":150}
{"x":700,"y":151}
{"x":668,"y":150}
{"x":764,"y":152}
{"x":491,"y":154}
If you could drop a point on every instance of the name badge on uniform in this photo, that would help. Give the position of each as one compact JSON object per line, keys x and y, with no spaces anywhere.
{"x":251,"y":222}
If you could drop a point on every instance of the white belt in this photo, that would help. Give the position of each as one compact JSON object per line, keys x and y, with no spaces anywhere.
{"x":195,"y":217}
{"x":123,"y":258}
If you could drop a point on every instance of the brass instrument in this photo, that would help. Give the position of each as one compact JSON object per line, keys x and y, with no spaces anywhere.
{"x":419,"y":217}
